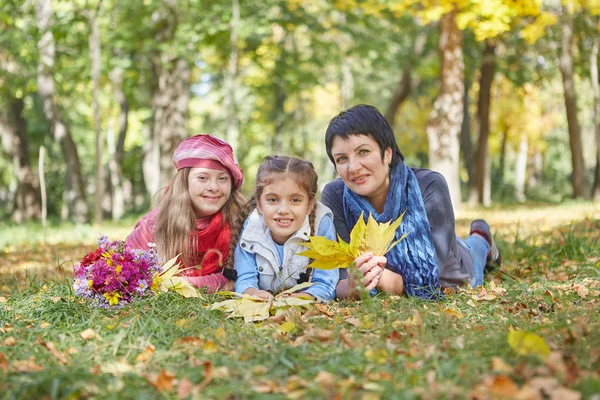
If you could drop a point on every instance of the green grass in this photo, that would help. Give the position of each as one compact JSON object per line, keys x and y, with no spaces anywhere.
{"x":385,"y":347}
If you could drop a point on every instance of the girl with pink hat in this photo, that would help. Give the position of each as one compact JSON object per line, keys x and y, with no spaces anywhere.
{"x":197,"y":212}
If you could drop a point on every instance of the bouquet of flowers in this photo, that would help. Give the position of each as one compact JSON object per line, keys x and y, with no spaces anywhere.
{"x":114,"y":274}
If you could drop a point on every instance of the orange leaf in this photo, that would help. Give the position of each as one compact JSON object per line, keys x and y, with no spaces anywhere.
{"x":162,"y":381}
{"x":208,"y":375}
{"x":504,"y":386}
{"x":3,"y":363}
{"x":88,"y":334}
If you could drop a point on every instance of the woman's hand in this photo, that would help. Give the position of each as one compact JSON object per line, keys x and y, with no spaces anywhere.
{"x":366,"y":270}
{"x":263,"y":294}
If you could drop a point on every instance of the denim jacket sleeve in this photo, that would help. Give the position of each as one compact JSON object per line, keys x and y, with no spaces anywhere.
{"x":324,"y":281}
{"x":245,"y":265}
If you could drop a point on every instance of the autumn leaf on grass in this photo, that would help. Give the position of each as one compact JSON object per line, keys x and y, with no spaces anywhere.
{"x":526,"y":343}
{"x":168,"y":281}
{"x":374,"y":237}
{"x":253,"y":308}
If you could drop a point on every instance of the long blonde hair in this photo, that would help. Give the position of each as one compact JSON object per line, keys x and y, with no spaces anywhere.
{"x":176,"y":220}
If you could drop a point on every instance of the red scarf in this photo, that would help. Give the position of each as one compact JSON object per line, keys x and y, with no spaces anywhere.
{"x":213,"y":247}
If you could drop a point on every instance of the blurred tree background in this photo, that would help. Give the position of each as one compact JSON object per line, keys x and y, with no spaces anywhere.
{"x":501,"y":96}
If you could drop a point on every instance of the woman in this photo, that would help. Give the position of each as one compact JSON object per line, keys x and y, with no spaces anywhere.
{"x":374,"y":179}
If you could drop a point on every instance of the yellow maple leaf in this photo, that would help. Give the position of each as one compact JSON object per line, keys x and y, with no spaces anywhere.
{"x":374,"y":237}
{"x":526,"y":343}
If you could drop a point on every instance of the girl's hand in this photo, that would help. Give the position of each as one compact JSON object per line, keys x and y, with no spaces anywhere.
{"x":263,"y":294}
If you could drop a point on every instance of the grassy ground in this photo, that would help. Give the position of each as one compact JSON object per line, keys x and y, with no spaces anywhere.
{"x":54,"y":346}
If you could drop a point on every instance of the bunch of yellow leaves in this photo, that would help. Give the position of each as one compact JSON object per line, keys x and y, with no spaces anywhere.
{"x":167,"y":280}
{"x":253,"y":308}
{"x":374,"y":237}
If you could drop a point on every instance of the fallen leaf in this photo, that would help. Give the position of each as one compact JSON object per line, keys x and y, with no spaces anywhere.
{"x":55,"y":299}
{"x":563,"y":393}
{"x":50,"y":347}
{"x":163,"y":381}
{"x":286,"y":327}
{"x":184,"y":389}
{"x":210,"y":347}
{"x":88,"y":334}
{"x":325,"y":378}
{"x":221,"y":334}
{"x":353,"y":321}
{"x":10,"y":341}
{"x":581,"y":290}
{"x":208,"y":375}
{"x":44,"y":325}
{"x":504,"y":386}
{"x":526,"y":343}
{"x":26,"y":365}
{"x":3,"y":363}
{"x":118,"y":367}
{"x":3,"y":300}
{"x":499,"y":365}
{"x":183,"y":322}
{"x":221,"y":373}
{"x":146,"y":355}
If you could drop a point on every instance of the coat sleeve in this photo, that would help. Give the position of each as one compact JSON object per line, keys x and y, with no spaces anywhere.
{"x":245,"y":265}
{"x":212,"y":282}
{"x":143,"y":232}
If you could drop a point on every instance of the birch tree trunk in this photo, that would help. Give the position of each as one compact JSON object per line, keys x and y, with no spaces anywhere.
{"x":578,"y":177}
{"x":444,"y":125}
{"x":75,"y":194}
{"x":477,"y":188}
{"x":521,"y":169}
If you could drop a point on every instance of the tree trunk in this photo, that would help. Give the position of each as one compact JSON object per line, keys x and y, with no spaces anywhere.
{"x":94,"y":47}
{"x":466,"y":145}
{"x":578,"y":177}
{"x":16,"y":144}
{"x":596,"y":91}
{"x":75,"y":194}
{"x":444,"y":125}
{"x":232,"y":130}
{"x":169,"y":102}
{"x":477,"y":187}
{"x":407,"y":83}
{"x":117,"y":150}
{"x":521,"y":169}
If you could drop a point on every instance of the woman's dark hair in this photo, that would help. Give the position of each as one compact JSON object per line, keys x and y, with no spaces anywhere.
{"x":363,"y":119}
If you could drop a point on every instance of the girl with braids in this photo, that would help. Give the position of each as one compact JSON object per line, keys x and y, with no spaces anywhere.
{"x":284,"y":213}
{"x":197,"y":213}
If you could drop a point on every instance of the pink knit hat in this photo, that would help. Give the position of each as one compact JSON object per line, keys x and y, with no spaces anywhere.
{"x":209,"y":152}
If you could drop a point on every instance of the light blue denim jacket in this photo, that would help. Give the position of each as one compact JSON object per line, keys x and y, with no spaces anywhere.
{"x":260,"y":266}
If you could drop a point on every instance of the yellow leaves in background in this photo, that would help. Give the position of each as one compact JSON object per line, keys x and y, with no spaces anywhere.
{"x":365,"y":237}
{"x":527,"y":343}
{"x":253,"y":308}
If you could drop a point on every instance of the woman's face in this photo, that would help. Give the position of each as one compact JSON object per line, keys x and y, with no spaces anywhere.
{"x":209,"y":190}
{"x":359,"y":164}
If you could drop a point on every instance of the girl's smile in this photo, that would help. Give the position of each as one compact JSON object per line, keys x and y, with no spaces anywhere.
{"x":209,"y":190}
{"x":284,"y":206}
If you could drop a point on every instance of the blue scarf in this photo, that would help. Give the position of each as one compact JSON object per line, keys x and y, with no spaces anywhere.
{"x":414,"y":257}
